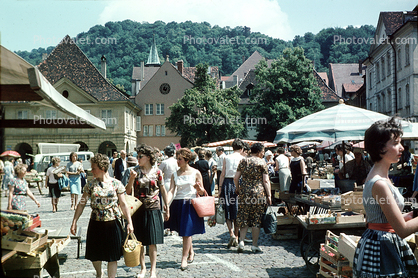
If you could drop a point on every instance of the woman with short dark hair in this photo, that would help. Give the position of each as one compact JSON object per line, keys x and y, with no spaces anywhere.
{"x":203,"y":166}
{"x":227,"y":195}
{"x":254,"y":194}
{"x":52,"y":183}
{"x":74,"y":169}
{"x":382,"y":250}
{"x":297,"y":169}
{"x":146,"y":181}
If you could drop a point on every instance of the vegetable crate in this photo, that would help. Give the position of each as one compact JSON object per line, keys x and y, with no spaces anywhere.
{"x":23,"y":241}
{"x":289,"y":231}
{"x":331,"y":265}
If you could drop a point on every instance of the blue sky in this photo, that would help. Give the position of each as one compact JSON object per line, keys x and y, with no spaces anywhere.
{"x":27,"y":24}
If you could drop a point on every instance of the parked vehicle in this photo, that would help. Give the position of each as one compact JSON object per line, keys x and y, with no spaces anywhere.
{"x":41,"y":161}
{"x":57,"y":148}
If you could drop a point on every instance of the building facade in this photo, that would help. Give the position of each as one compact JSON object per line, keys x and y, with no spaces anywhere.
{"x":392,"y":66}
{"x":73,"y":75}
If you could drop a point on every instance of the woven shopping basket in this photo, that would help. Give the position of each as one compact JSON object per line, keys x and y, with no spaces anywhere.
{"x":131,"y":250}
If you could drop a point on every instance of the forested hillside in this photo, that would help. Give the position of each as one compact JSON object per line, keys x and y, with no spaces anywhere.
{"x":125,"y":44}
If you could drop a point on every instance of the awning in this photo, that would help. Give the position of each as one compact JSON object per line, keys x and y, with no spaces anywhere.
{"x":20,"y":81}
{"x":229,"y":142}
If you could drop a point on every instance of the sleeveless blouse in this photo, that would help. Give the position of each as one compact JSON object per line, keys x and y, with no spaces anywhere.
{"x":371,"y":205}
{"x":185,"y":183}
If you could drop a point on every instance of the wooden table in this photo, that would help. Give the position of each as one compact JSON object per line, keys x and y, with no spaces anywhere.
{"x":24,"y":265}
{"x":60,"y":233}
{"x":314,"y":235}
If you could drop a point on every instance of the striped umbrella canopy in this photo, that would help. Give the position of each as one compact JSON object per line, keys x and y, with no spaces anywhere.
{"x":338,"y":123}
{"x":229,"y":142}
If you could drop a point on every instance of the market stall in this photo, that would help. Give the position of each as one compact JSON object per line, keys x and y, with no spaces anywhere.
{"x":25,"y":253}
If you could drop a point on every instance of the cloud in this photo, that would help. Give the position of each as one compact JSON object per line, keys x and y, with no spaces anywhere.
{"x":264,"y":16}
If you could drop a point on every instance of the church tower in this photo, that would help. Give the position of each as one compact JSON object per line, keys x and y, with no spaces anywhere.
{"x":153,"y":59}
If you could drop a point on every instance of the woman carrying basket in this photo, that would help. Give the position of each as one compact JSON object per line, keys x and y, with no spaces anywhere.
{"x":105,"y":232}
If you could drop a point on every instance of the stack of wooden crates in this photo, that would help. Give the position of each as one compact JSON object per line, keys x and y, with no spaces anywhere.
{"x":331,"y":262}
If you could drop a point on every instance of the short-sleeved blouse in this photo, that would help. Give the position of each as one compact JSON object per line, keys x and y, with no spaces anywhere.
{"x":73,"y":167}
{"x":104,"y":199}
{"x":147,"y":188}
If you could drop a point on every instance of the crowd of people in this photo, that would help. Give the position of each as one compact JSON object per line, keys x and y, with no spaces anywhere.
{"x":167,"y":182}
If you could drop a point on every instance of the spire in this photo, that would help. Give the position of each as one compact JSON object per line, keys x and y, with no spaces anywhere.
{"x":153,"y":59}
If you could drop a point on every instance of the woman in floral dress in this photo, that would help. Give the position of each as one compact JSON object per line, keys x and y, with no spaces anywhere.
{"x":105,"y":232}
{"x":18,"y":189}
{"x":254,"y":193}
{"x":146,"y":180}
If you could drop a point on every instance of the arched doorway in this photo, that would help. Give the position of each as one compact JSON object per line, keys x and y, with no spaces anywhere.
{"x":83,"y":146}
{"x":107,"y":148}
{"x":25,"y":151}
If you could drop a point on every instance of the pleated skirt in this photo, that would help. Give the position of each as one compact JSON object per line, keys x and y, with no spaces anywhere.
{"x":148,"y":226}
{"x":104,"y":241}
{"x":184,"y":219}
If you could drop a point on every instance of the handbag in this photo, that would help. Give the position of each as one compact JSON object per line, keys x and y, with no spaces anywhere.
{"x":131,"y":251}
{"x":204,"y":206}
{"x":132,"y":202}
{"x":220,"y":214}
{"x":269,"y":221}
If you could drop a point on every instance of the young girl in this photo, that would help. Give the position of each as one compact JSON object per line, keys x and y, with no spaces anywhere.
{"x":382,"y":250}
{"x":18,"y":189}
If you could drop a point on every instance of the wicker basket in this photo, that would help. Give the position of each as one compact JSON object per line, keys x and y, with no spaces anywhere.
{"x":131,"y":251}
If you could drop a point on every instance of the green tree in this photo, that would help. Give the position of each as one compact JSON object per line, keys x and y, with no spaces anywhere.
{"x":206,"y":114}
{"x":284,"y":92}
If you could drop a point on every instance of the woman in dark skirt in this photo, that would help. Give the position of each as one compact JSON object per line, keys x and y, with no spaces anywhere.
{"x":203,"y":166}
{"x":147,"y":182}
{"x":104,"y":233}
{"x":182,"y":217}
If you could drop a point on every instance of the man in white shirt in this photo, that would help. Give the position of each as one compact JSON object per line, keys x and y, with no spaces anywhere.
{"x":120,"y":165}
{"x":282,"y":167}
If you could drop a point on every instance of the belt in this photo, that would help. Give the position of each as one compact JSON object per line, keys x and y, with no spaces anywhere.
{"x":386,"y":227}
{"x":284,"y":168}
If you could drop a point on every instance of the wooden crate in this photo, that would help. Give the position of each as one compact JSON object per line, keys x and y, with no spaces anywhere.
{"x":332,"y":255}
{"x":356,"y":217}
{"x":23,"y":241}
{"x":347,"y":246}
{"x":286,"y":232}
{"x":39,"y":257}
{"x":352,"y":201}
{"x":286,"y":220}
{"x":329,"y":269}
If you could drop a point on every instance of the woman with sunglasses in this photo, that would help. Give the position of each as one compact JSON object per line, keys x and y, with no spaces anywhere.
{"x":146,"y":181}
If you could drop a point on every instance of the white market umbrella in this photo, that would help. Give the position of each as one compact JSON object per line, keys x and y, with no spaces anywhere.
{"x":338,"y":123}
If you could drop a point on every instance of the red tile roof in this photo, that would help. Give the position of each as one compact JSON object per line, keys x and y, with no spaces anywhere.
{"x":328,"y":95}
{"x":344,"y":73}
{"x":324,"y":76}
{"x":189,"y":73}
{"x":68,"y":61}
{"x":392,"y":21}
{"x":351,"y":88}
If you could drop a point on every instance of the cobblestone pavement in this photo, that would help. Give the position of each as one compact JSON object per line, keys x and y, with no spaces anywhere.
{"x":280,"y":258}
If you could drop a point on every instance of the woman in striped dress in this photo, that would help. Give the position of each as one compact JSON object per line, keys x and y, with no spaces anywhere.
{"x":382,"y":249}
